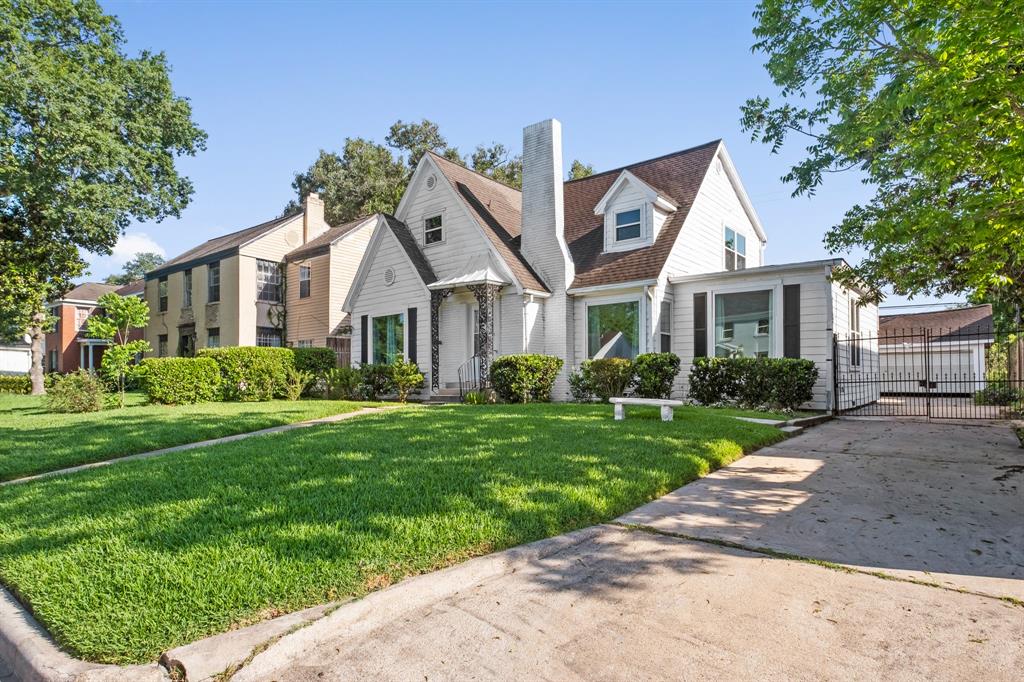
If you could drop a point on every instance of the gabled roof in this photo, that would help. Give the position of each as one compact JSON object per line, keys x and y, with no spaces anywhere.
{"x":651,"y":194}
{"x":322,"y":244}
{"x":134,"y":288}
{"x":219,"y":247}
{"x":677,"y":176}
{"x":90,"y":291}
{"x":411,"y":248}
{"x":496,"y":207}
{"x":974,"y":322}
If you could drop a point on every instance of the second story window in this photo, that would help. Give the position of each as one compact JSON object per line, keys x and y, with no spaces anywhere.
{"x":81,"y":317}
{"x":161,"y":292}
{"x":735,"y":250}
{"x":268,"y":281}
{"x":432,"y":230}
{"x":303,"y":281}
{"x":627,"y":225}
{"x":213,"y":282}
{"x":186,"y":290}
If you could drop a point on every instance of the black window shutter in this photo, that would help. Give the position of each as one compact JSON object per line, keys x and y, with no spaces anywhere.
{"x":700,"y":325}
{"x":791,"y":320}
{"x":364,"y":335}
{"x":411,"y":324}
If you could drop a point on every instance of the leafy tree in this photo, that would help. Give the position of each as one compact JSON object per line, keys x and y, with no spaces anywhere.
{"x":416,"y":139}
{"x":496,"y":162}
{"x":121,"y":314}
{"x":88,"y":141}
{"x":580,"y":170}
{"x":926,"y":99}
{"x":136,"y":268}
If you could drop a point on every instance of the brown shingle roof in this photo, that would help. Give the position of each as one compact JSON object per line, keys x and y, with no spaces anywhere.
{"x":320,"y":245}
{"x":966,"y":323}
{"x":497,"y":208}
{"x":134,"y":288}
{"x":412,"y":249}
{"x":89,"y":291}
{"x":677,"y":176}
{"x":223,"y":245}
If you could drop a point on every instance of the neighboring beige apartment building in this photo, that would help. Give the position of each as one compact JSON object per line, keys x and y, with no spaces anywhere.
{"x":234,"y":290}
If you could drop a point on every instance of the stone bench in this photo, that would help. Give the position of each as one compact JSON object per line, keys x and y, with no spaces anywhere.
{"x":667,"y":406}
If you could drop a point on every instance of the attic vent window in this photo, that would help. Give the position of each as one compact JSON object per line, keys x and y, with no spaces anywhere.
{"x":389,"y":277}
{"x":431,"y":182}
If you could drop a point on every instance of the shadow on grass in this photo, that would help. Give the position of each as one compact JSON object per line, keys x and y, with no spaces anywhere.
{"x":129,"y":561}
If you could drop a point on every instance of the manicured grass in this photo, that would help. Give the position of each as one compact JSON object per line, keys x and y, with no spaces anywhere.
{"x":33,"y":441}
{"x":766,"y":414}
{"x":124,"y":562}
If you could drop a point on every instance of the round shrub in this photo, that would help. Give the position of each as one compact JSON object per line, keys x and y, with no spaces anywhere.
{"x":252,"y":373}
{"x":524,"y":378}
{"x":375,"y":380}
{"x":181,"y":381}
{"x":607,"y":377}
{"x":406,"y":377}
{"x":654,"y":374}
{"x":79,"y":391}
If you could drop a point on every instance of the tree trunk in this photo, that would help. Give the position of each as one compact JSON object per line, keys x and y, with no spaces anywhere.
{"x":35,"y":372}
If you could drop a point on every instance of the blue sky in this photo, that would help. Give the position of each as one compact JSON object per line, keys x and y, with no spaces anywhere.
{"x":272,"y":83}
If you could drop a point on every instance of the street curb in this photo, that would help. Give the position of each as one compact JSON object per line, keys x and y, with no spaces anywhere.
{"x":33,"y":656}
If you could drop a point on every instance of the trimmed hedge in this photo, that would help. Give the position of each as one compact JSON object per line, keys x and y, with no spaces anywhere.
{"x":252,"y":373}
{"x":181,"y":381}
{"x":317,"y":361}
{"x":777,"y":383}
{"x":525,"y":378}
{"x":15,"y":383}
{"x":654,"y":374}
{"x":607,"y":377}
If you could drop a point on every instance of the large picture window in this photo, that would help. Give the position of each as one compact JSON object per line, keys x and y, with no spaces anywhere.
{"x":388,"y":338}
{"x":735,"y":250}
{"x":744,"y":325}
{"x":268,"y":281}
{"x":613,"y":330}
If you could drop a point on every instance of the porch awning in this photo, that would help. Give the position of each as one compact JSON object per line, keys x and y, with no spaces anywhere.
{"x":480,"y":269}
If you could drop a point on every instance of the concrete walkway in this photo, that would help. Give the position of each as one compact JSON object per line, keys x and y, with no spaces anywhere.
{"x":625,"y":602}
{"x":203,"y":443}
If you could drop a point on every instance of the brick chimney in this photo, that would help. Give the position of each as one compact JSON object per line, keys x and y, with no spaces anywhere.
{"x":313,"y":223}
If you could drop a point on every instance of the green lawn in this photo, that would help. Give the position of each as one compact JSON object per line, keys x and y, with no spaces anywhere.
{"x":33,"y":441}
{"x":124,"y":562}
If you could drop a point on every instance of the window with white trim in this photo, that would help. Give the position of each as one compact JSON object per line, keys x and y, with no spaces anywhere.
{"x":268,"y":336}
{"x":854,"y":332}
{"x":304,"y":343}
{"x":268,"y":281}
{"x":735,"y":250}
{"x":304,"y":277}
{"x":627,"y":225}
{"x":744,"y":324}
{"x":613,"y":330}
{"x":388,"y":338}
{"x":665,"y":327}
{"x":433,"y":231}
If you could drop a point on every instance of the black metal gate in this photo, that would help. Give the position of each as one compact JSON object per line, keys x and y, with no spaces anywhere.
{"x":933,"y":373}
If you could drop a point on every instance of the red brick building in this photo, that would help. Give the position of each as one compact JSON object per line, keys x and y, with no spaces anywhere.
{"x":67,"y":346}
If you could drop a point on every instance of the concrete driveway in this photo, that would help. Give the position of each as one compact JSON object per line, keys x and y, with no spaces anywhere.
{"x":676,"y":589}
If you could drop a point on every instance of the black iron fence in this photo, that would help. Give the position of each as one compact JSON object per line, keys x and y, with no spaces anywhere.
{"x":934,"y":373}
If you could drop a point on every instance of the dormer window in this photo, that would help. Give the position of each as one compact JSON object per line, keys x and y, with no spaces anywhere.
{"x":627,"y":225}
{"x":735,"y":250}
{"x":433,"y":231}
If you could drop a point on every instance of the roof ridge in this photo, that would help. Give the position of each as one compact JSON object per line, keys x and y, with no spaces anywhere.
{"x":651,"y":160}
{"x":265,"y":223}
{"x":475,"y":172}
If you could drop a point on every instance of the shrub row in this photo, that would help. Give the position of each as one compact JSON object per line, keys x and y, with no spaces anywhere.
{"x":776,"y":383}
{"x":15,"y":383}
{"x":250,"y":373}
{"x":524,"y":378}
{"x":181,"y":381}
{"x":651,"y":375}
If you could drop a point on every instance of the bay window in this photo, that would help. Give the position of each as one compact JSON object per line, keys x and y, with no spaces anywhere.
{"x":613,"y":330}
{"x":268,"y":281}
{"x":745,"y":324}
{"x":388,"y":338}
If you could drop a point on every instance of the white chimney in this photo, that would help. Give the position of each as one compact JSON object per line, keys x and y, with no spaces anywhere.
{"x":313,"y":223}
{"x":543,"y":211}
{"x":543,"y":241}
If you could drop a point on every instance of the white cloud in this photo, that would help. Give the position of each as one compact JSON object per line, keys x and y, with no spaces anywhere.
{"x":125,"y":249}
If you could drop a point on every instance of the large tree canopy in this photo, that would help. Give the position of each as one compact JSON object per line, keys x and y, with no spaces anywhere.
{"x":367,"y":177}
{"x":927,"y":100}
{"x":88,"y":142}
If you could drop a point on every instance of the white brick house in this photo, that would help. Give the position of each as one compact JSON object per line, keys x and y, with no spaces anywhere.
{"x":664,"y":254}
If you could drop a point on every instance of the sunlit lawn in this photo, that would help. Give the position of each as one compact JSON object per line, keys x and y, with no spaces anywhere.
{"x":124,"y":562}
{"x":33,"y":441}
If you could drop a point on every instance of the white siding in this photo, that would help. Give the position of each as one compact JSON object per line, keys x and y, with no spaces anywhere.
{"x":852,"y":390}
{"x":701,"y":241}
{"x":815,"y":335}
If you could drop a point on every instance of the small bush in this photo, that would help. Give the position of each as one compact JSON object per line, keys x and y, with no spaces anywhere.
{"x":776,"y":383}
{"x":479,"y":398}
{"x":375,"y":380}
{"x":251,"y":373}
{"x":998,"y":394}
{"x":342,"y":383}
{"x":524,"y":378}
{"x":79,"y":391}
{"x":15,"y":383}
{"x":608,"y":377}
{"x":181,"y":381}
{"x":654,"y":374}
{"x":579,"y":387}
{"x":405,"y":377}
{"x":296,"y":382}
